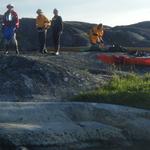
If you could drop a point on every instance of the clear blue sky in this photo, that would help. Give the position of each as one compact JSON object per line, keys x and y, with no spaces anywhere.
{"x":109,"y":12}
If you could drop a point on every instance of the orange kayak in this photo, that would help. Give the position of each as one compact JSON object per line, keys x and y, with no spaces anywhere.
{"x":124,"y":59}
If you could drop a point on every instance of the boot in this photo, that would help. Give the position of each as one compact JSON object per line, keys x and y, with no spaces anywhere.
{"x":57,"y":50}
{"x":57,"y":53}
{"x":45,"y":51}
{"x":6,"y":52}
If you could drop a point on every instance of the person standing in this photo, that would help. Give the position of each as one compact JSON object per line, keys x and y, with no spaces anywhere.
{"x":42,"y":24}
{"x":10,"y":24}
{"x":96,"y":37}
{"x":57,"y":28}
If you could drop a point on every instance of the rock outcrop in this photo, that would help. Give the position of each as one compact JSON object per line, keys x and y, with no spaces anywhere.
{"x":75,"y":126}
{"x":36,"y":77}
{"x":44,"y":77}
{"x":76,"y":34}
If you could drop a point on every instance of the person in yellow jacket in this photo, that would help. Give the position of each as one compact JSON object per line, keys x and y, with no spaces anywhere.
{"x":42,"y":24}
{"x":96,"y":37}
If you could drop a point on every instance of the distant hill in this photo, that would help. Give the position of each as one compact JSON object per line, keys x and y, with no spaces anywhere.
{"x":76,"y":34}
{"x":136,"y":35}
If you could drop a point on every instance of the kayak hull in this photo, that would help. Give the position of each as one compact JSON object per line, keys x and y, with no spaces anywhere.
{"x":126,"y":60}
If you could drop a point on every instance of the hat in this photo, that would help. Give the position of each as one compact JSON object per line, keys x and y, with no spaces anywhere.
{"x":10,"y":6}
{"x":39,"y":11}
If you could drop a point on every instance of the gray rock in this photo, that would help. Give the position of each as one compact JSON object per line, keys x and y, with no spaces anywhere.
{"x":74,"y":126}
{"x":75,"y":34}
{"x":40,"y":78}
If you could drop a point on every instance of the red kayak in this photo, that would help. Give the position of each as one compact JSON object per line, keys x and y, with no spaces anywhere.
{"x":124,"y":59}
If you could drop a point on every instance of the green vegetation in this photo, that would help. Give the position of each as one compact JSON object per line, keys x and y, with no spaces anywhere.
{"x":131,"y":90}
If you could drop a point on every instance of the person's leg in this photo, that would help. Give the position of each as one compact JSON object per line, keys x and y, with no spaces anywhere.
{"x":58,"y":36}
{"x":6,"y":46}
{"x":5,"y":40}
{"x":44,"y":41}
{"x":54,"y":40}
{"x":15,"y":42}
{"x":40,"y":34}
{"x":95,"y":47}
{"x":58,"y":42}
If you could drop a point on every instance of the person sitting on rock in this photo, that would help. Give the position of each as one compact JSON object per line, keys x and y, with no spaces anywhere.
{"x":42,"y":24}
{"x":96,"y":37}
{"x":57,"y":28}
{"x":10,"y":24}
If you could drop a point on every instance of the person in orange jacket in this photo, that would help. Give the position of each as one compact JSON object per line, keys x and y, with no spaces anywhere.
{"x":42,"y":24}
{"x":96,"y":37}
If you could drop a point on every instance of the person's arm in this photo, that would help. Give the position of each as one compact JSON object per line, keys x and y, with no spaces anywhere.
{"x":101,"y":34}
{"x":60,"y":24}
{"x":36,"y":23}
{"x":90,"y":34}
{"x":101,"y":41}
{"x":52,"y":23}
{"x":94,"y":31}
{"x":16,"y":19}
{"x":4,"y":20}
{"x":47,"y":23}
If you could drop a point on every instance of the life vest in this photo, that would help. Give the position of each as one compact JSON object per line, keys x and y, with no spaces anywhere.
{"x":96,"y":34}
{"x":42,"y":22}
{"x":11,"y":19}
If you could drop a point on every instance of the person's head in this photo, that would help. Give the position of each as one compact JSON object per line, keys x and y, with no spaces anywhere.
{"x":100,"y":26}
{"x":10,"y":7}
{"x":39,"y":12}
{"x":55,"y":11}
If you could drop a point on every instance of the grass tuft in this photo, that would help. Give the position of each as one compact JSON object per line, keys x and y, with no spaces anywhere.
{"x":131,"y":90}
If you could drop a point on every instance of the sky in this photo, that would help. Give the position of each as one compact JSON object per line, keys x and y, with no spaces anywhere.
{"x":108,"y":12}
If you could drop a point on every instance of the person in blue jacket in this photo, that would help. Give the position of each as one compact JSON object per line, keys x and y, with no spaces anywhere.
{"x":10,"y":24}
